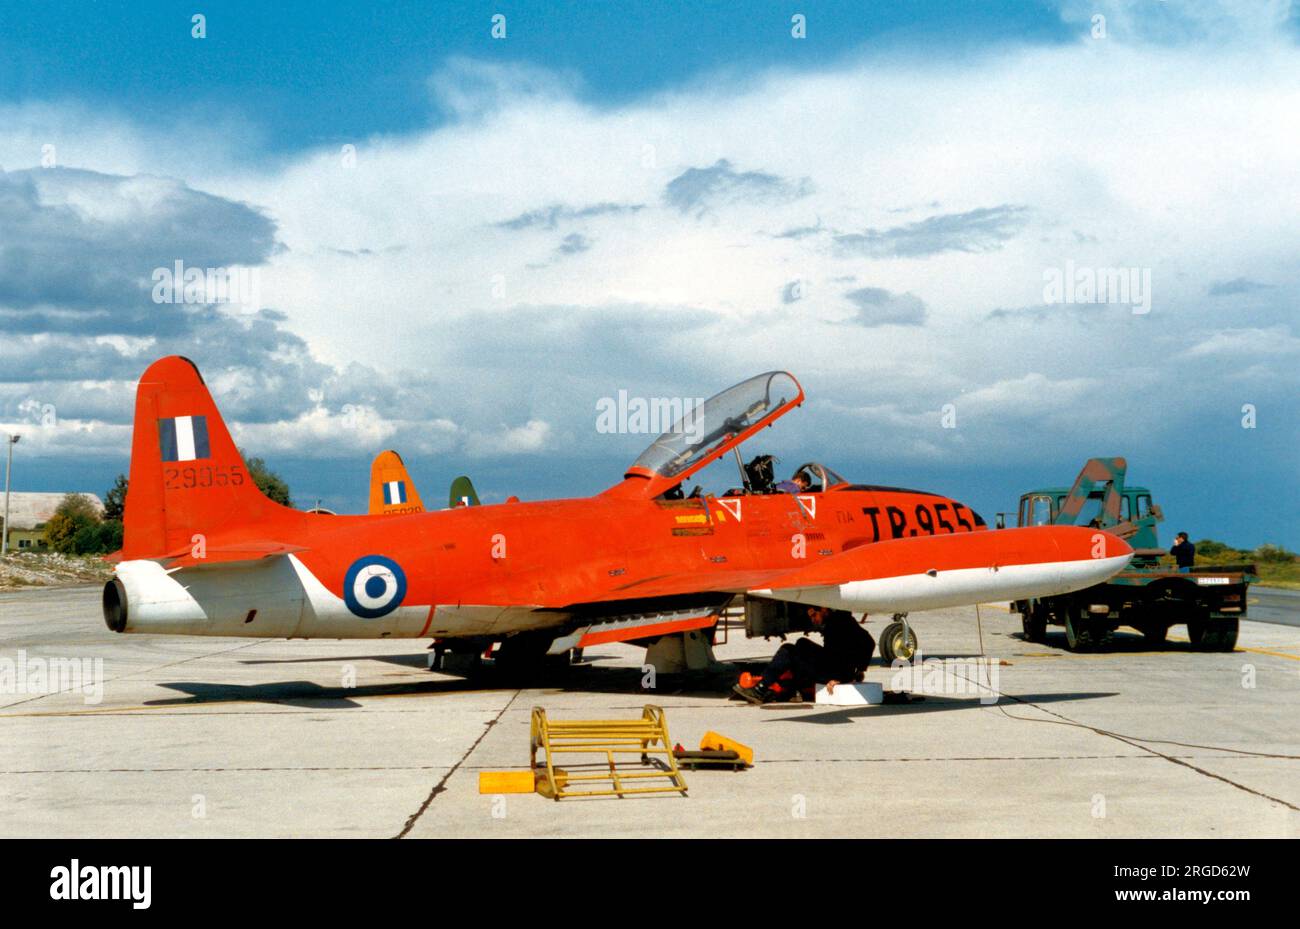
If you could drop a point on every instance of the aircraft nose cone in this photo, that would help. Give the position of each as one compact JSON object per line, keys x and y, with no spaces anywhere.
{"x":1083,"y":542}
{"x":1089,"y":555}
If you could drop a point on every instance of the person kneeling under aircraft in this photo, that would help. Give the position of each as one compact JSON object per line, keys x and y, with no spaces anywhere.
{"x":844,"y":657}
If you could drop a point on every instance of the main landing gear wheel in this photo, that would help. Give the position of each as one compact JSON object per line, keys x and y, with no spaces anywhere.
{"x":898,"y":641}
{"x":526,"y":653}
{"x":1033,"y":622}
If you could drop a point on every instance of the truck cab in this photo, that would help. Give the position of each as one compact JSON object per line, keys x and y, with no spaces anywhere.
{"x":1044,"y":507}
{"x":1146,"y":596}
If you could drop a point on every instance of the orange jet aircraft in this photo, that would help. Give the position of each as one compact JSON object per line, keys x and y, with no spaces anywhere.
{"x":205,"y":553}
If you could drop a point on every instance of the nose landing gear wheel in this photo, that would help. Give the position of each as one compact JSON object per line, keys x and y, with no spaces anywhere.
{"x":1079,"y":634}
{"x":897,"y":641}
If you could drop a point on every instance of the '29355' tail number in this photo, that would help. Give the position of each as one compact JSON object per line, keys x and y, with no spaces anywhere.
{"x":192,"y":476}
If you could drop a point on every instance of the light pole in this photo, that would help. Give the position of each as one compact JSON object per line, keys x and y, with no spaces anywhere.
{"x":10,"y":442}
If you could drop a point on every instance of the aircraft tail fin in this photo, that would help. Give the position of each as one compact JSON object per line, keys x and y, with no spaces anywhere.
{"x":187,"y":477}
{"x":462,"y":493}
{"x":391,"y":488}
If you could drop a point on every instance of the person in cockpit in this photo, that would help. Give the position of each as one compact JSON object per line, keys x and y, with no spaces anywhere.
{"x":796,"y":485}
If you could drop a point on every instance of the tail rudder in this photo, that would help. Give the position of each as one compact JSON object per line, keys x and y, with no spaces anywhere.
{"x":391,"y":489}
{"x":462,"y":493}
{"x":187,"y":477}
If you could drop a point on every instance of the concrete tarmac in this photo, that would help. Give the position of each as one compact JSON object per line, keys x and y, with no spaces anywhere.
{"x":1274,"y":605}
{"x":192,"y":736}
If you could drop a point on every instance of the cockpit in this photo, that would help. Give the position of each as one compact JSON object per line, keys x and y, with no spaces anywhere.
{"x":706,"y":432}
{"x":815,"y":477}
{"x":809,"y":478}
{"x":710,"y":428}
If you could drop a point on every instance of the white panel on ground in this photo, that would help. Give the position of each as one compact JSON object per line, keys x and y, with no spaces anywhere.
{"x":851,"y":694}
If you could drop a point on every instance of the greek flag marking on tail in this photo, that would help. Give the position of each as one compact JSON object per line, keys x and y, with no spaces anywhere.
{"x":184,"y":438}
{"x":394,"y":492}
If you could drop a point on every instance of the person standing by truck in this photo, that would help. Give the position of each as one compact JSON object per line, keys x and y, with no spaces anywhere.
{"x":1184,"y":552}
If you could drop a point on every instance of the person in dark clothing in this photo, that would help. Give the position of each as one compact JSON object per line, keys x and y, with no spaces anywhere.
{"x":844,"y":656}
{"x":1184,"y":552}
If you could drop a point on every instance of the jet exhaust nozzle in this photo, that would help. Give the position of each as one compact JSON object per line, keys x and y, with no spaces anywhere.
{"x":115,"y":605}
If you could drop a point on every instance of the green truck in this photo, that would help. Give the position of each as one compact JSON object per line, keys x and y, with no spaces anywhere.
{"x":1147,"y":596}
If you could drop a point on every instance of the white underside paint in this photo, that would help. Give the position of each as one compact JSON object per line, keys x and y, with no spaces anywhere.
{"x":480,"y":619}
{"x":912,"y":592}
{"x":212,"y":600}
{"x":290,"y":602}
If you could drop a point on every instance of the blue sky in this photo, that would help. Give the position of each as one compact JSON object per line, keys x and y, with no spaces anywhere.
{"x":460,"y":245}
{"x":303,"y":74}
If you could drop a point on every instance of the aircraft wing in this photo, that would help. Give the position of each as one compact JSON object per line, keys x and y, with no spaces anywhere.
{"x":633,"y":626}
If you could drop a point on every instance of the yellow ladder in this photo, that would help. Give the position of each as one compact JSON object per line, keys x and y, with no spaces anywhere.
{"x":643,"y":737}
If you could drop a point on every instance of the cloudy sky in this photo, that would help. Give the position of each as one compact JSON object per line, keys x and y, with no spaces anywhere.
{"x":457,"y":244}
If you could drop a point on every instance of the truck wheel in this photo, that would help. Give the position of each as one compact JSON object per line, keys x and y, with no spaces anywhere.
{"x":1205,"y":634}
{"x":1228,"y":634}
{"x":1211,"y":636}
{"x":1154,"y":633}
{"x":1033,"y":622}
{"x":897,"y":642}
{"x":1078,"y":631}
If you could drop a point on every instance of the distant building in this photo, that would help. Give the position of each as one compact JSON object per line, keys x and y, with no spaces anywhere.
{"x":28,"y":514}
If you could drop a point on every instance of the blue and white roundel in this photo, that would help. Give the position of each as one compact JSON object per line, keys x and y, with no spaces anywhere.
{"x":374,"y":586}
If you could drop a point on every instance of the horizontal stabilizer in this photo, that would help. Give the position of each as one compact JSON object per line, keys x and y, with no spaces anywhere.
{"x":198,"y":555}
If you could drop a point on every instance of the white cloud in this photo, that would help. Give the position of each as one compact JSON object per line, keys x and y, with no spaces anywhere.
{"x":1246,"y":343}
{"x":1139,"y":173}
{"x":1211,"y":20}
{"x":1123,"y":152}
{"x":469,"y":88}
{"x":532,"y":436}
